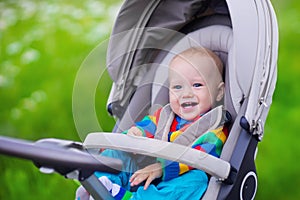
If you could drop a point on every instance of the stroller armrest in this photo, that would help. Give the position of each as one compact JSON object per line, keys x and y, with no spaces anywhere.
{"x":61,"y":155}
{"x":162,"y":149}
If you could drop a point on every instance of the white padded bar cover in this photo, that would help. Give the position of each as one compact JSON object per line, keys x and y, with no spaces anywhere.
{"x":157,"y":148}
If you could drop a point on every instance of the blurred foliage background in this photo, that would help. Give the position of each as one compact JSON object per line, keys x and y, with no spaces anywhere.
{"x":42,"y":46}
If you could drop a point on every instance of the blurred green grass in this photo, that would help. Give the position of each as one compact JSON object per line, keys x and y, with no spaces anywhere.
{"x":276,"y":161}
{"x":43,"y":44}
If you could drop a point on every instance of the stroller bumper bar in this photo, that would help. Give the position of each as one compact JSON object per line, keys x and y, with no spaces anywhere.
{"x":216,"y":167}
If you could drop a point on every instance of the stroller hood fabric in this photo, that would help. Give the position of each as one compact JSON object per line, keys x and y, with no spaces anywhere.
{"x":145,"y":28}
{"x":142,"y":29}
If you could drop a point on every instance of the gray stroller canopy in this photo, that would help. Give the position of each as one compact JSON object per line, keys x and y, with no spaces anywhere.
{"x":144,"y":29}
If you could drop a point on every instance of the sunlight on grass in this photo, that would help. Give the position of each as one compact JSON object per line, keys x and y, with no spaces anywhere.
{"x":43,"y":44}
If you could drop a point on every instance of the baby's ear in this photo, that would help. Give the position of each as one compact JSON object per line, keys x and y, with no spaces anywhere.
{"x":221,"y":90}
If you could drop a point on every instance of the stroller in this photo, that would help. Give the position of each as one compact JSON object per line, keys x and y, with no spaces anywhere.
{"x":147,"y":33}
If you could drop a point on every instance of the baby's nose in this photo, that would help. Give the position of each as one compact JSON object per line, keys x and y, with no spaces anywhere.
{"x":188,"y":92}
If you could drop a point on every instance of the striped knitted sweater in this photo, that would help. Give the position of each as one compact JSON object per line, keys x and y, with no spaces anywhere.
{"x":210,"y":142}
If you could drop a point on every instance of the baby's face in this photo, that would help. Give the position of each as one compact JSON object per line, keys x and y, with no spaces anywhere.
{"x":194,"y":89}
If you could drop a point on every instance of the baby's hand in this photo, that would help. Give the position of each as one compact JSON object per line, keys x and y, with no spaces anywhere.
{"x":148,"y":173}
{"x":135,"y":131}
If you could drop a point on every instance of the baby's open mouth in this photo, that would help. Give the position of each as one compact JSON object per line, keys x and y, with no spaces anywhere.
{"x":188,"y":104}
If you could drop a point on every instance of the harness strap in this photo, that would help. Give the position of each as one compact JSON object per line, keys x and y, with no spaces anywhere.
{"x":209,"y":121}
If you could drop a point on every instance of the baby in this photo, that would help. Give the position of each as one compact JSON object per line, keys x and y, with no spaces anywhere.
{"x":195,"y":89}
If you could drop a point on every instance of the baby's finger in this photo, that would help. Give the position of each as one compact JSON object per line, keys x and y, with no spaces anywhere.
{"x":136,"y":174}
{"x":132,"y":177}
{"x":148,"y":182}
{"x":137,"y":180}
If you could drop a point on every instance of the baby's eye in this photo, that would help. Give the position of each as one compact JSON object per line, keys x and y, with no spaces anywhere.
{"x":197,"y":85}
{"x":177,"y":87}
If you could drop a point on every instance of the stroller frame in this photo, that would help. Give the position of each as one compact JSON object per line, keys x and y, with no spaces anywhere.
{"x":247,"y":98}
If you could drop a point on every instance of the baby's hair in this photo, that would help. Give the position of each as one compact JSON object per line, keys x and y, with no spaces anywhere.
{"x":201,"y":51}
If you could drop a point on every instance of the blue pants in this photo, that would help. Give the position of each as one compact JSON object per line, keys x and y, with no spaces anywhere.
{"x":190,"y":185}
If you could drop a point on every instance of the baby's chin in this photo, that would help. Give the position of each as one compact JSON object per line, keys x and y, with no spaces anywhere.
{"x":189,"y":115}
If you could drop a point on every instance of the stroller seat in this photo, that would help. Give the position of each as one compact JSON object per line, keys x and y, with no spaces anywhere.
{"x":152,"y":93}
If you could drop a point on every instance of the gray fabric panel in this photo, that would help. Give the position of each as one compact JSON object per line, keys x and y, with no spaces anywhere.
{"x":140,"y":103}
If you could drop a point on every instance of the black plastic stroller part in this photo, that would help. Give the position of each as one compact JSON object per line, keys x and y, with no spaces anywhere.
{"x":96,"y":189}
{"x":231,"y":177}
{"x":59,"y":155}
{"x":243,"y":159}
{"x":245,"y":186}
{"x":245,"y":124}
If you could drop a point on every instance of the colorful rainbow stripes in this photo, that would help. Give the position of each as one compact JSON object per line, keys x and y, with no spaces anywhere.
{"x":210,"y":142}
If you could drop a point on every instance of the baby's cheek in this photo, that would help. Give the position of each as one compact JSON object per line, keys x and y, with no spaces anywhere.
{"x":175,"y":107}
{"x":173,"y":97}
